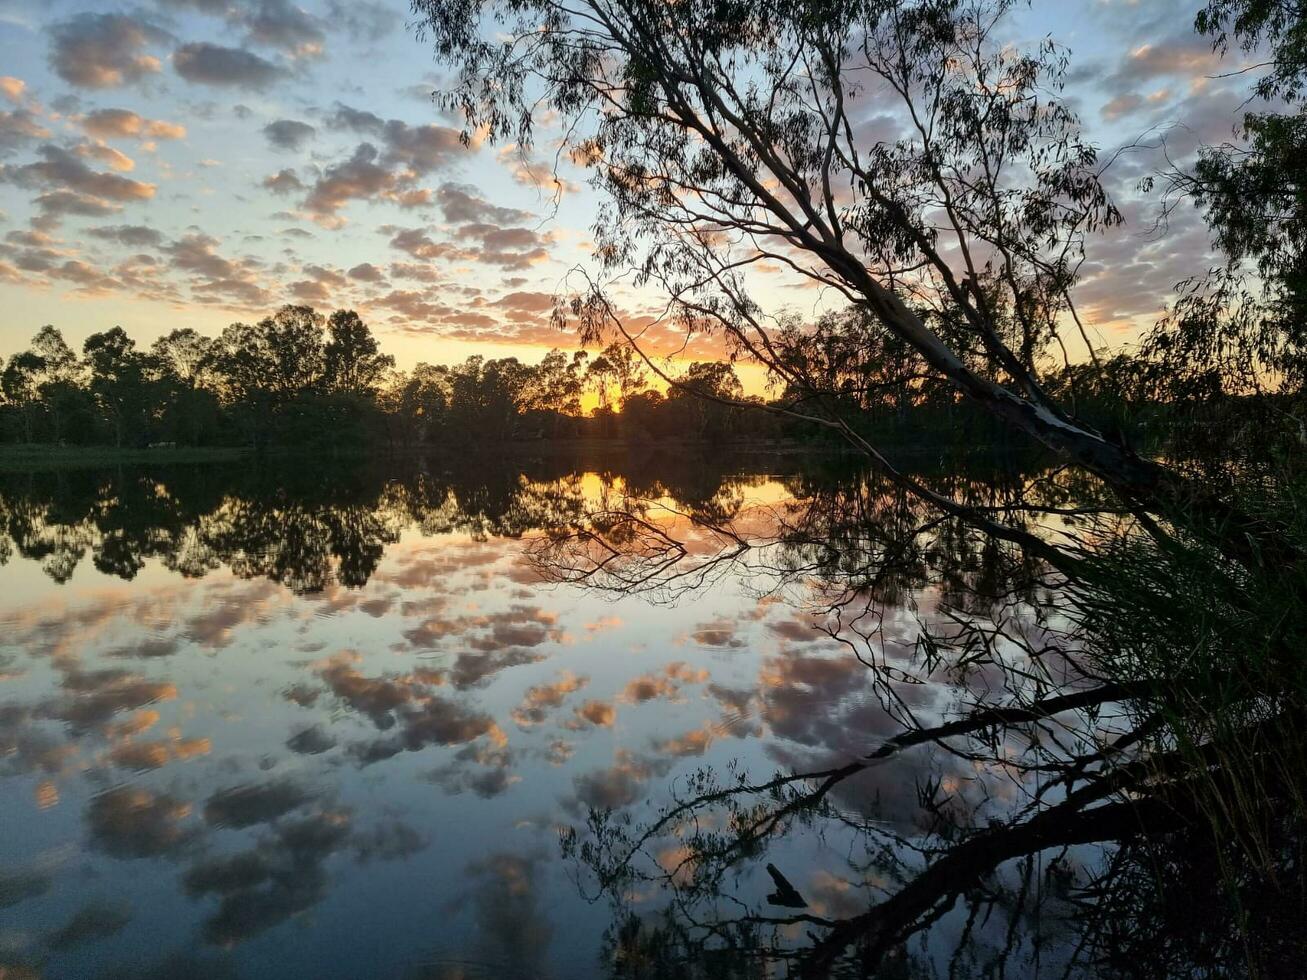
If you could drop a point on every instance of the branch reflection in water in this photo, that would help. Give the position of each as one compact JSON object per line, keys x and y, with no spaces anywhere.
{"x":1083,"y":797}
{"x":788,"y":719}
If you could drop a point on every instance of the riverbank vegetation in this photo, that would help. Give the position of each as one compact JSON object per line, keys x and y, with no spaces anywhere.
{"x":297,"y":380}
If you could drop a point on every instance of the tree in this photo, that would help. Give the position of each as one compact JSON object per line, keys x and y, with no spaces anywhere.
{"x":1232,"y":353}
{"x":20,"y":384}
{"x":487,"y":397}
{"x":617,"y":374}
{"x":264,"y":367}
{"x":118,"y":380}
{"x":352,"y":360}
{"x":290,"y":341}
{"x":419,"y":402}
{"x":184,"y":354}
{"x":57,"y":382}
{"x":724,"y":135}
{"x":707,"y":392}
{"x":183,"y":362}
{"x":554,"y":388}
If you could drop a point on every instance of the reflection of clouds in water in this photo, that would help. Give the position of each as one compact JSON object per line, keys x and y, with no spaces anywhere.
{"x":311,"y":741}
{"x":142,"y":756}
{"x":91,"y":698}
{"x":243,"y":806}
{"x":540,"y":698}
{"x":619,"y":785}
{"x":600,"y":714}
{"x":513,"y":929}
{"x":90,"y":923}
{"x":664,"y":684}
{"x":134,"y":822}
{"x":417,"y":680}
{"x":206,"y":613}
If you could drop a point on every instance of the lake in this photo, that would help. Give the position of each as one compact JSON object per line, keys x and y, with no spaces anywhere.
{"x":331,"y":720}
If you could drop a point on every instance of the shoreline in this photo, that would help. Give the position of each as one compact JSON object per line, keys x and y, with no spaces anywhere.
{"x":37,"y":456}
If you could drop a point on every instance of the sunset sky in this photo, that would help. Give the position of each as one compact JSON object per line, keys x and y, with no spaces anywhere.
{"x":193,"y":162}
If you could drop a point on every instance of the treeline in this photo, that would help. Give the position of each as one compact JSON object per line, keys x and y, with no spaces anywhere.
{"x":297,"y":379}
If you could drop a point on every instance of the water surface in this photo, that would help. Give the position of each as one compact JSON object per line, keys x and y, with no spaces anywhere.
{"x":330,"y":721}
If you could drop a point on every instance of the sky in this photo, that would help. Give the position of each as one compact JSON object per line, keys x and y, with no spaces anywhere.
{"x":173,"y":163}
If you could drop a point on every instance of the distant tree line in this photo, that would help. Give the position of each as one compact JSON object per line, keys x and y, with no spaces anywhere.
{"x":299,"y":379}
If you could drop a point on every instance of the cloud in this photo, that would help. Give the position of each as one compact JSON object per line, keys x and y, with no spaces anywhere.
{"x":460,"y":204}
{"x":486,"y":782}
{"x":601,"y":714}
{"x":311,"y":741}
{"x":361,"y":177}
{"x":386,"y":168}
{"x":212,"y":64}
{"x":21,"y":884}
{"x":422,"y":148}
{"x":406,"y":705}
{"x":1185,"y":54}
{"x":513,"y":926}
{"x":345,"y":117}
{"x":363,"y":21}
{"x":420,"y":245}
{"x":366,"y":272}
{"x":279,"y":24}
{"x":390,"y":840}
{"x":144,"y":756}
{"x":537,"y":701}
{"x":99,"y":150}
{"x":288,"y":134}
{"x":60,"y":168}
{"x":656,"y":685}
{"x":284,"y":181}
{"x":134,"y":236}
{"x":58,"y":203}
{"x":621,"y":784}
{"x":123,"y":123}
{"x":18,"y":128}
{"x":280,"y":877}
{"x":505,"y":248}
{"x":103,"y":50}
{"x":12,"y":88}
{"x":217,"y":279}
{"x":282,"y":25}
{"x":89,"y":699}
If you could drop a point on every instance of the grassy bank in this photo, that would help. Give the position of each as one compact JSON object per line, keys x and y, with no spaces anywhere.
{"x":37,"y":456}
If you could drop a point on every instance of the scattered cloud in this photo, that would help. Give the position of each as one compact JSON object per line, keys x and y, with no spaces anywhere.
{"x":288,"y":134}
{"x":104,"y":50}
{"x":125,"y":124}
{"x":212,"y":64}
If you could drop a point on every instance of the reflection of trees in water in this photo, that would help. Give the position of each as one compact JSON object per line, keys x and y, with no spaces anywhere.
{"x":984,"y":793}
{"x":305,"y":531}
{"x":307,"y":526}
{"x":1068,"y":797}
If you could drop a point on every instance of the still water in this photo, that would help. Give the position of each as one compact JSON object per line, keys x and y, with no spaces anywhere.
{"x":332,"y":722}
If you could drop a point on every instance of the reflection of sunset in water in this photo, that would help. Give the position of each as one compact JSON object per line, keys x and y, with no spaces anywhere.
{"x":341,"y":729}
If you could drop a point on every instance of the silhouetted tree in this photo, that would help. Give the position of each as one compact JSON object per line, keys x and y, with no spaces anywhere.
{"x":352,"y":359}
{"x":118,"y":381}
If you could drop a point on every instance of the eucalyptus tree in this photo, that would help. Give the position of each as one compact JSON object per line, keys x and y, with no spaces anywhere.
{"x":898,"y":154}
{"x":352,"y":358}
{"x":119,"y":381}
{"x":20,"y":384}
{"x":1232,"y":353}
